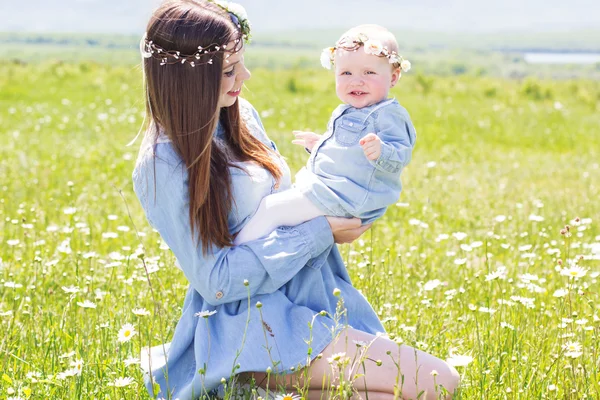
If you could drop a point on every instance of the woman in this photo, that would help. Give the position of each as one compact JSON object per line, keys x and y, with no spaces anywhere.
{"x":203,"y":168}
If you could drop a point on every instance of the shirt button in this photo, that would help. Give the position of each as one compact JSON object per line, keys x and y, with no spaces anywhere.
{"x":219,"y":294}
{"x":351,"y":124}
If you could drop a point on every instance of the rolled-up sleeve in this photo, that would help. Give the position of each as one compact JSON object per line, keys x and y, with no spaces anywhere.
{"x":267,"y":263}
{"x":398,"y":135}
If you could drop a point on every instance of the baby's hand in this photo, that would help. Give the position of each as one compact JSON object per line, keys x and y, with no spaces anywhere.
{"x":306,"y":139}
{"x":371,"y":145}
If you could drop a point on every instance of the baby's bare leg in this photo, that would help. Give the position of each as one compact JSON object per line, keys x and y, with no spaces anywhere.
{"x":287,"y":208}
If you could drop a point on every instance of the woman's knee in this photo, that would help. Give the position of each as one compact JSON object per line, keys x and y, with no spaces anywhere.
{"x":447,"y":377}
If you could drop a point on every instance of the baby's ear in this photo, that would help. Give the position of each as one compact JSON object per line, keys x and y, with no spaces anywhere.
{"x":396,"y":73}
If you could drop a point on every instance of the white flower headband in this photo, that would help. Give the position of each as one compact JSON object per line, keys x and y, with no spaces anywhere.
{"x":238,"y":16}
{"x":371,"y":46}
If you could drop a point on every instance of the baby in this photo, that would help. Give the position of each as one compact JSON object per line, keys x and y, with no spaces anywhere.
{"x":354,"y":168}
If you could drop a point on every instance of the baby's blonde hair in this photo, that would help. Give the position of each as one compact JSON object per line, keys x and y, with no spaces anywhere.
{"x":376,"y":32}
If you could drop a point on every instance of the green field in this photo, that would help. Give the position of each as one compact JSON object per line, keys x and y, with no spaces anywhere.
{"x":431,"y":53}
{"x":466,"y":262}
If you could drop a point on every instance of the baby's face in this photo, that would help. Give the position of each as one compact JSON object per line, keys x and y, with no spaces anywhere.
{"x":363,"y":79}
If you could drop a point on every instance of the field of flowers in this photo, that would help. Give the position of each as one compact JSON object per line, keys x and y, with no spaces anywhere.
{"x":491,"y":257}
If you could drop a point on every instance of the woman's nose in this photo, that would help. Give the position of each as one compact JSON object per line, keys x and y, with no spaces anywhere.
{"x":245,"y":75}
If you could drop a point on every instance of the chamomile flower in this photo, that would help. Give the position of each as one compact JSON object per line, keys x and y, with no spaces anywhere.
{"x":126,"y":332}
{"x":205,"y":314}
{"x":70,"y":289}
{"x":560,"y":293}
{"x":336,"y":357}
{"x":574,"y":271}
{"x":86,"y":304}
{"x":288,"y":396}
{"x":131,"y":361}
{"x":572,"y":349}
{"x":457,"y":360}
{"x":122,"y":382}
{"x":77,"y":366}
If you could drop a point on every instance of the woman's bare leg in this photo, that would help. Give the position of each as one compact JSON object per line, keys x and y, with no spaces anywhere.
{"x":320,"y":395}
{"x":412,"y":378}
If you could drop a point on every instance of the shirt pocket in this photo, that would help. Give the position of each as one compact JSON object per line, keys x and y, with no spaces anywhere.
{"x":348,"y":130}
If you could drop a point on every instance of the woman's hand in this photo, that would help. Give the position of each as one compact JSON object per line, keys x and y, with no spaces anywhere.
{"x":346,"y":230}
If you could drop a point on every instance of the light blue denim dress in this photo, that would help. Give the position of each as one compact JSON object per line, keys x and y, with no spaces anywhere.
{"x":338,"y":177}
{"x":292,"y":272}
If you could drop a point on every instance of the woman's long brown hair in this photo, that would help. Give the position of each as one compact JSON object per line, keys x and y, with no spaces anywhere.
{"x":183,"y":101}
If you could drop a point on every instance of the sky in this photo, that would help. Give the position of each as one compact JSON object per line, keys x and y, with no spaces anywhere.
{"x":130,"y":16}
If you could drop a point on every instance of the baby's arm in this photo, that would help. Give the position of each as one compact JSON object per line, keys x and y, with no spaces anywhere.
{"x":371,"y":145}
{"x":397,"y":137}
{"x":286,"y":208}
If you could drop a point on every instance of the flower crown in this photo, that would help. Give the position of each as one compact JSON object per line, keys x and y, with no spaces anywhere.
{"x":238,"y":16}
{"x":371,"y":46}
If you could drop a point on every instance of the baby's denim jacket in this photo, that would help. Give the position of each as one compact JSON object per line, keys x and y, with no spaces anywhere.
{"x":339,"y":178}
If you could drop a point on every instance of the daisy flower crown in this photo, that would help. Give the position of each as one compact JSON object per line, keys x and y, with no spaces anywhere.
{"x":371,"y":46}
{"x":203,"y":56}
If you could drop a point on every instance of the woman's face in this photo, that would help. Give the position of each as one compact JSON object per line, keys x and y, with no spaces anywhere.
{"x":234,"y":75}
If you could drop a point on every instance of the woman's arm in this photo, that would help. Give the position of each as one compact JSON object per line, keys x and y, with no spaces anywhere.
{"x":267,"y":263}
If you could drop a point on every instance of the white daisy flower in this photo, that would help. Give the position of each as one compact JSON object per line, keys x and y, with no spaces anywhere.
{"x":573,"y":354}
{"x":288,"y":396}
{"x":459,"y":235}
{"x":457,"y":360}
{"x":140,"y":311}
{"x":500,"y":273}
{"x":572,"y":346}
{"x":131,"y":361}
{"x":574,"y":271}
{"x":336,"y":357}
{"x":560,"y":293}
{"x":205,"y":314}
{"x":70,"y":289}
{"x":430,"y":285}
{"x":86,"y":304}
{"x":77,"y":366}
{"x":122,"y":382}
{"x":507,"y":325}
{"x":126,"y":332}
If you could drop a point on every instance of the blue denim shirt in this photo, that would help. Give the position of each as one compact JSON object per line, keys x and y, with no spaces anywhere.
{"x":340,"y":179}
{"x":292,"y":272}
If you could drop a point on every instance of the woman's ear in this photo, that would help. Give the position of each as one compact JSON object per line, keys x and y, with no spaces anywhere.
{"x":396,"y":74}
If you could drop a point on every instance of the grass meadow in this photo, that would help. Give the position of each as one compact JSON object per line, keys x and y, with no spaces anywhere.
{"x":470,"y":262}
